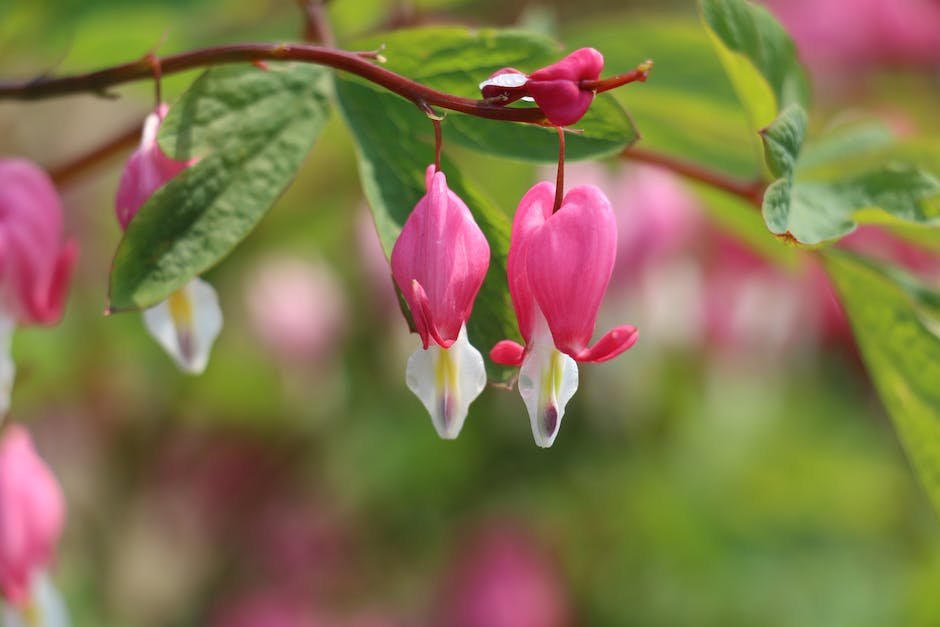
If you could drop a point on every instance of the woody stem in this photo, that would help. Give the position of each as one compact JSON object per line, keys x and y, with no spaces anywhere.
{"x":354,"y":63}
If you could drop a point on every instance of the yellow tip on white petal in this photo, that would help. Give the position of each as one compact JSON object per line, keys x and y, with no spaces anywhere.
{"x":547,"y":381}
{"x":186,"y":325}
{"x":447,"y":380}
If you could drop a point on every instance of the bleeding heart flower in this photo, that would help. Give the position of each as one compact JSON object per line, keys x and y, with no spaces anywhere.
{"x":439,"y":262}
{"x":559,"y":266}
{"x":32,"y":514}
{"x":35,"y":261}
{"x":189,"y":321}
{"x":556,"y":88}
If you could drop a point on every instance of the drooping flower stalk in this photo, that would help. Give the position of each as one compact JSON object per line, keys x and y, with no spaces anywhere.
{"x":439,"y":262}
{"x":187,"y":323}
{"x":559,"y":266}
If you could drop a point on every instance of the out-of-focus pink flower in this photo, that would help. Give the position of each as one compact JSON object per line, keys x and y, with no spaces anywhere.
{"x":839,"y":34}
{"x":37,"y":262}
{"x":32,"y":514}
{"x":272,"y":608}
{"x":879,"y":243}
{"x":559,"y":266}
{"x":439,"y":262}
{"x":187,"y":323}
{"x":556,"y":88}
{"x":296,"y":308}
{"x":502,"y":578}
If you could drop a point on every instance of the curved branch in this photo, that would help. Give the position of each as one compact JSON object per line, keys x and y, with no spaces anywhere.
{"x":101,"y":80}
{"x":751,"y":191}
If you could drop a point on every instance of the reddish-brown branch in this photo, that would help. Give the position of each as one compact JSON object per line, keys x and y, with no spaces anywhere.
{"x":751,"y":191}
{"x":316,"y":25}
{"x":354,"y":63}
{"x":67,"y":172}
{"x":560,"y":173}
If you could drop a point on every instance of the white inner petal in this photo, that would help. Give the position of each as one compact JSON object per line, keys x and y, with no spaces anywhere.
{"x":151,"y":126}
{"x":45,"y":609}
{"x":447,"y":380}
{"x":510,"y":79}
{"x":187,"y":324}
{"x":7,"y":367}
{"x":547,"y":381}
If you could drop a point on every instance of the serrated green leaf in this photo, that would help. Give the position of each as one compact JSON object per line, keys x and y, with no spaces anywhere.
{"x":252,"y":129}
{"x":759,"y":57}
{"x":457,"y":60}
{"x":817,"y":211}
{"x":783,"y":140}
{"x":393,"y":155}
{"x":897,"y":327}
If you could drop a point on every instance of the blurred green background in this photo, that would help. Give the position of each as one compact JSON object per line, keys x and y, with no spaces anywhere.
{"x":690,"y":485}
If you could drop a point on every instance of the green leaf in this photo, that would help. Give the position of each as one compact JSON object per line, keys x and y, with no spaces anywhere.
{"x":897,"y":326}
{"x":758,"y":56}
{"x":251,"y":130}
{"x":783,"y":140}
{"x":457,"y":60}
{"x":393,"y":155}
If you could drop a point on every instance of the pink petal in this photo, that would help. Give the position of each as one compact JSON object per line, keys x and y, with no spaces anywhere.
{"x":557,"y":90}
{"x":569,"y":262}
{"x":32,"y":514}
{"x":34,"y":264}
{"x":563,"y":102}
{"x":614,"y":342}
{"x":443,"y":250}
{"x":147,"y":170}
{"x":534,"y":208}
{"x":582,"y":64}
{"x":507,"y":353}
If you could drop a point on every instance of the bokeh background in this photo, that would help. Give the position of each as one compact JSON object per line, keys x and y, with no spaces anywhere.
{"x":735,"y":468}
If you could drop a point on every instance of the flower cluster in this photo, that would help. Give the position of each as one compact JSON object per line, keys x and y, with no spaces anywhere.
{"x":187,"y":323}
{"x":560,"y":261}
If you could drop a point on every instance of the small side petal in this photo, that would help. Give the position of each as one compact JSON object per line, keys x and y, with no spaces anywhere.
{"x":547,"y":381}
{"x":447,"y":380}
{"x":614,"y":342}
{"x":187,"y":324}
{"x":507,"y":353}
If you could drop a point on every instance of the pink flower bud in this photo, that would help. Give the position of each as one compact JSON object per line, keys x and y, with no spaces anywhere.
{"x":558,"y":269}
{"x":559,"y":266}
{"x":147,"y":170}
{"x":555,"y":88}
{"x":37,"y":262}
{"x":439,"y":262}
{"x":32,"y":513}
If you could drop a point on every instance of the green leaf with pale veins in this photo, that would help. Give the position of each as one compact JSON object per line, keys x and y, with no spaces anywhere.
{"x":758,"y":56}
{"x":394,"y":148}
{"x":250,"y":130}
{"x":457,"y":60}
{"x":897,"y":326}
